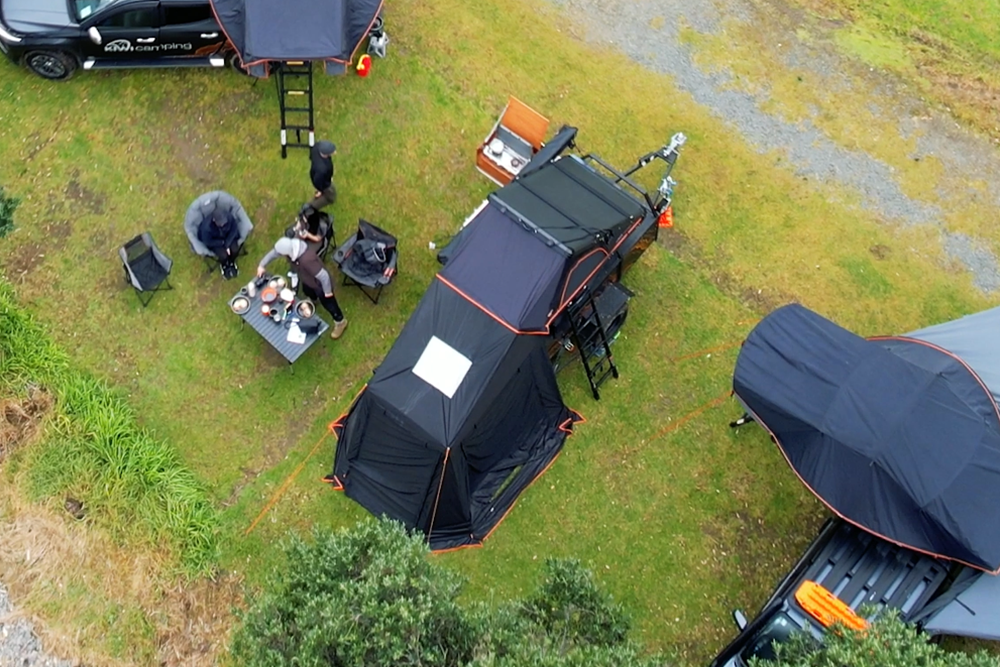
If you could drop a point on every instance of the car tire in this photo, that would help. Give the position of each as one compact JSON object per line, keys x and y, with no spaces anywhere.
{"x":51,"y":65}
{"x":234,"y":63}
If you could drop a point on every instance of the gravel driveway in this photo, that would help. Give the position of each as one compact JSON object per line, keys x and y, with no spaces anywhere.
{"x":628,"y":26}
{"x":19,"y":647}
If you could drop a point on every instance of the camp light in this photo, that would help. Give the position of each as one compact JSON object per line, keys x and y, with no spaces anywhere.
{"x":364,"y":66}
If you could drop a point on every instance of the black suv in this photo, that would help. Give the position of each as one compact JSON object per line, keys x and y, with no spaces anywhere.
{"x":53,"y":38}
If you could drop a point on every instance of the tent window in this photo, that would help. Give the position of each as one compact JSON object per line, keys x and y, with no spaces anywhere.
{"x":442,"y":366}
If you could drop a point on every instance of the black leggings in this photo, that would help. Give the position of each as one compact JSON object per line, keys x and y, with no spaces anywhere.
{"x":225,"y":257}
{"x":329,"y":302}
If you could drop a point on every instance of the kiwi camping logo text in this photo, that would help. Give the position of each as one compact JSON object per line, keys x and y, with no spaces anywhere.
{"x":125,"y":46}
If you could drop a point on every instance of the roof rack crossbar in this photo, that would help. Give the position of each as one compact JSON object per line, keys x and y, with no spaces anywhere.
{"x":620,"y":177}
{"x":528,"y":225}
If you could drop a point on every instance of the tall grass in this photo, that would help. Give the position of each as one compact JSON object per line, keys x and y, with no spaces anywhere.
{"x":133,"y":484}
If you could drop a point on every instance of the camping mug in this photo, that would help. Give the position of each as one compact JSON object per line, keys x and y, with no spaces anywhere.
{"x":274,"y":314}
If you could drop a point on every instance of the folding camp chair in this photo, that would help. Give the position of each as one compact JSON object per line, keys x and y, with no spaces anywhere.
{"x":368,"y":259}
{"x":147,"y":269}
{"x":205,"y":205}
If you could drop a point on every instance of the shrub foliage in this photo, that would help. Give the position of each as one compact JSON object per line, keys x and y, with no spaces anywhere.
{"x":888,"y":642}
{"x":370,"y":596}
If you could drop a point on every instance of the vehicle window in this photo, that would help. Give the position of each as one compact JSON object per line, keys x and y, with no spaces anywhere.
{"x":136,"y":18}
{"x":85,"y":8}
{"x":776,"y":631}
{"x":181,"y":14}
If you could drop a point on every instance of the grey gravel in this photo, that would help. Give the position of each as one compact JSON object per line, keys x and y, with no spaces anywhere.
{"x":626,"y":25}
{"x":19,"y":646}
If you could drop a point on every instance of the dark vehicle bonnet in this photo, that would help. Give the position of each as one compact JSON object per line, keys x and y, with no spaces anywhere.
{"x":35,"y":16}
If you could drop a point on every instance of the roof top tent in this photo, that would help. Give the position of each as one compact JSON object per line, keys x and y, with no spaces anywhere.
{"x":899,"y":435}
{"x":288,"y":36}
{"x":592,"y":221}
{"x":464,"y":412}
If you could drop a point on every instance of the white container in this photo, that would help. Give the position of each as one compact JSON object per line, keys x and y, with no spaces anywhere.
{"x":251,"y":289}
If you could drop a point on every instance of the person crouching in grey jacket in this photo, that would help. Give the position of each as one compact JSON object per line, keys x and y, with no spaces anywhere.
{"x":316,"y":281}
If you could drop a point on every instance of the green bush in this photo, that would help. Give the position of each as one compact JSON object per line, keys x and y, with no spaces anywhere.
{"x":134,"y":485}
{"x":370,"y":596}
{"x":888,"y":642}
{"x":7,"y":206}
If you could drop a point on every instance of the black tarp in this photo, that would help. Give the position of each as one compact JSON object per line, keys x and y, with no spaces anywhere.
{"x":895,"y":435}
{"x":271,"y":30}
{"x":452,"y":465}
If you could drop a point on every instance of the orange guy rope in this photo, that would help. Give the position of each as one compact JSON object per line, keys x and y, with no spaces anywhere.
{"x":691,"y":415}
{"x":284,"y":485}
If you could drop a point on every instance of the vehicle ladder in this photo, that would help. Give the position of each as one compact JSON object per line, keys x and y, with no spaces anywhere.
{"x":590,"y":336}
{"x":295,"y":97}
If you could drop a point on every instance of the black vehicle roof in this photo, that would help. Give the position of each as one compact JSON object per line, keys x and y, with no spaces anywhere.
{"x":572,"y":203}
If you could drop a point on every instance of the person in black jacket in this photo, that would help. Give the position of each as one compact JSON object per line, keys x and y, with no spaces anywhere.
{"x":221,"y":234}
{"x":321,"y":174}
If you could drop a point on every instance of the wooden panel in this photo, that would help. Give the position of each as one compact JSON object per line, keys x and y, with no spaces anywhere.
{"x":495,"y":173}
{"x":525,"y":122}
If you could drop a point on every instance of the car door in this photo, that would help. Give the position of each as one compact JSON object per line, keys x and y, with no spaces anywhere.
{"x":188,"y":28}
{"x":129,"y":31}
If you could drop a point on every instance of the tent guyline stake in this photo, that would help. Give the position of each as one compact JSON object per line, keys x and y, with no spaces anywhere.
{"x":295,"y":99}
{"x":284,"y":485}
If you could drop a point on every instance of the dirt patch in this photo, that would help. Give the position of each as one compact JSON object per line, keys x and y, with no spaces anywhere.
{"x":22,"y":260}
{"x":50,"y":561}
{"x":880,"y":251}
{"x":189,"y":145}
{"x":265,"y":211}
{"x":92,"y":202}
{"x":20,"y":419}
{"x":760,"y":300}
{"x":197,"y":621}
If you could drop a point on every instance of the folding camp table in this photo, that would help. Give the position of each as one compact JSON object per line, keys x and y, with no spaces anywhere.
{"x":276,"y":333}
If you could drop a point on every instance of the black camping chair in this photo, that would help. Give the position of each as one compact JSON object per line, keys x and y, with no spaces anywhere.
{"x":147,"y":269}
{"x":368,"y":259}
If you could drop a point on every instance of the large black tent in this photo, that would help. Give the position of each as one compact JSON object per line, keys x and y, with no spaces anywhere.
{"x":899,"y":435}
{"x":464,"y":412}
{"x":265,"y":31}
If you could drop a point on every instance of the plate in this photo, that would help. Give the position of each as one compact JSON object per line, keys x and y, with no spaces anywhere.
{"x":287,"y":295}
{"x":269,"y":295}
{"x":240,"y":305}
{"x":305,"y":309}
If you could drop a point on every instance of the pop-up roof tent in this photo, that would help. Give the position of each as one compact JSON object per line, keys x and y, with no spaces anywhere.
{"x":288,"y":36}
{"x":465,"y":411}
{"x":264,"y":31}
{"x":899,"y":435}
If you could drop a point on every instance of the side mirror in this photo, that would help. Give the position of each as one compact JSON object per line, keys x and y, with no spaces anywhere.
{"x":95,"y":35}
{"x":740,"y":619}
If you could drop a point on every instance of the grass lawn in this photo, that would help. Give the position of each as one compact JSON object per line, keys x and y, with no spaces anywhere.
{"x":681,"y":517}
